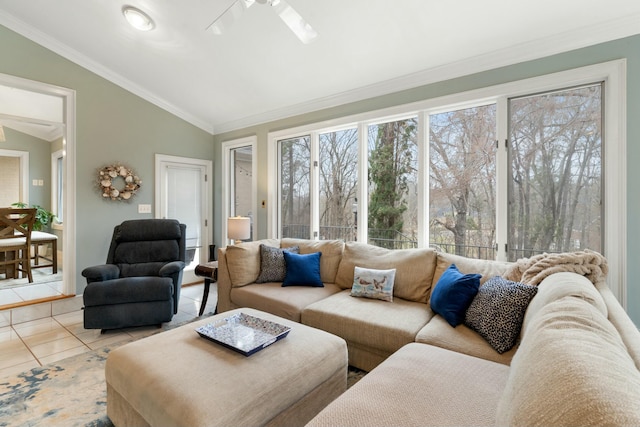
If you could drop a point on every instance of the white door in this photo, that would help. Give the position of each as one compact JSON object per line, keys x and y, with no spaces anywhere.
{"x":182,"y":193}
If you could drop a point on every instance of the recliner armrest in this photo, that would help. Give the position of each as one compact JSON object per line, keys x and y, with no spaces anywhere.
{"x":100,"y":273}
{"x":171,"y":268}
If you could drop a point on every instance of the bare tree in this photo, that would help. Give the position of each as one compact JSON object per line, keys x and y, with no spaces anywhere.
{"x":338,"y":181}
{"x":462,"y":173}
{"x":556,"y":152}
{"x":295,"y":203}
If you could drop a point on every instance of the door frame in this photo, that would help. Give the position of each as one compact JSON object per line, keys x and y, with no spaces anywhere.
{"x":163,"y":160}
{"x":69,"y":163}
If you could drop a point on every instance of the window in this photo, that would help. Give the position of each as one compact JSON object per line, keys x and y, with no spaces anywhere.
{"x":338,"y":180}
{"x":393,"y":183}
{"x":462,"y":181}
{"x":555,"y":191}
{"x":502,"y":172}
{"x":295,"y":190}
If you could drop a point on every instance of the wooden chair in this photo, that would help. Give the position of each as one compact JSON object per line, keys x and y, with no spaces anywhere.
{"x":16,"y":226}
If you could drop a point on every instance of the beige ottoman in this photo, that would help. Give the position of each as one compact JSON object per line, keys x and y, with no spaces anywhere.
{"x":177,"y":378}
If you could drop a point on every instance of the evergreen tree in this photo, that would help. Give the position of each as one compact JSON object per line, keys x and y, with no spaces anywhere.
{"x":389,"y":163}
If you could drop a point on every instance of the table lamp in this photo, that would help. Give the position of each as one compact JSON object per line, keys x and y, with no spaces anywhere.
{"x":238,"y":228}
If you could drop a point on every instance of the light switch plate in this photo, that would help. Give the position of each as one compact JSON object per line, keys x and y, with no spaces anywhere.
{"x":144,"y":208}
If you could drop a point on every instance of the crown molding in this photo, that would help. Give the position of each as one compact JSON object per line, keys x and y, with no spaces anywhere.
{"x":536,"y":49}
{"x":78,"y":58}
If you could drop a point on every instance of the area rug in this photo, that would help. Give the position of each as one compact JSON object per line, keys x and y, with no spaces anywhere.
{"x":71,"y":392}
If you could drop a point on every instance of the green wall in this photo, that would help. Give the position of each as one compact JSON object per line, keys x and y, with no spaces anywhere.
{"x":112,"y":125}
{"x":628,"y":48}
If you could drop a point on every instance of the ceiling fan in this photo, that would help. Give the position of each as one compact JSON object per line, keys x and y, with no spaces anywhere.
{"x":294,"y":21}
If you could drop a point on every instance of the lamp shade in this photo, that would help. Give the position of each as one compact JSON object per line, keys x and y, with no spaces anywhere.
{"x":238,"y":228}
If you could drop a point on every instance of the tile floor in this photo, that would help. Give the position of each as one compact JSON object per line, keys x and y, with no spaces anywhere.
{"x":30,"y":292}
{"x":51,"y":337}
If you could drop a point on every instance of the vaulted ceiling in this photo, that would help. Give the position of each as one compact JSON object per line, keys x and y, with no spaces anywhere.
{"x":259,"y":71}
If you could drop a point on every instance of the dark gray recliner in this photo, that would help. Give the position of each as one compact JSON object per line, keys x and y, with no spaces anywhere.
{"x":140,"y":283}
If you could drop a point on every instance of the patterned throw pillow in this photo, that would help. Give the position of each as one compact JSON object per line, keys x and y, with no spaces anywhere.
{"x":497,"y":311}
{"x":272,"y":265}
{"x":375,"y":284}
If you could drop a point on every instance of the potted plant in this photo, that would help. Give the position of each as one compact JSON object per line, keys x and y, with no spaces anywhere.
{"x":43,"y":216}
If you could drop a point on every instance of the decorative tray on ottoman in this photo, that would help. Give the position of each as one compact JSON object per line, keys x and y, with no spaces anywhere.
{"x":244,"y":333}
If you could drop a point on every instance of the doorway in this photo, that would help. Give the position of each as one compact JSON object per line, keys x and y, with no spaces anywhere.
{"x":183,"y":186}
{"x":33,"y":113}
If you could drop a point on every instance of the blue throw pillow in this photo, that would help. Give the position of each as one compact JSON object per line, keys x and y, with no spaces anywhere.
{"x":302,"y":270}
{"x":453,"y":294}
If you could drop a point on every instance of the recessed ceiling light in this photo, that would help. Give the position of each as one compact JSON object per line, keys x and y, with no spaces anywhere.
{"x":138,"y":19}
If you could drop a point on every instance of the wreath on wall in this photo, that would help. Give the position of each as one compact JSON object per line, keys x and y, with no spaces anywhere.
{"x":117,"y":182}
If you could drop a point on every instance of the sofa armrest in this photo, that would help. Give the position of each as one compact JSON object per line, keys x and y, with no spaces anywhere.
{"x":224,"y":283}
{"x":171,"y":268}
{"x":620,"y":319}
{"x":100,"y":273}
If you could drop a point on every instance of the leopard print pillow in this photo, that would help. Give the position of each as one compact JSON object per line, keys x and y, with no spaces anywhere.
{"x":497,"y":311}
{"x":272,"y":265}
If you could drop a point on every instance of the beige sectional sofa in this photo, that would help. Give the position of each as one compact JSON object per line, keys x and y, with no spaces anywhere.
{"x":577,"y":361}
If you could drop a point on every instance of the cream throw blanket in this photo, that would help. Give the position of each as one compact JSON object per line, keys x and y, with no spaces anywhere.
{"x":533,"y":270}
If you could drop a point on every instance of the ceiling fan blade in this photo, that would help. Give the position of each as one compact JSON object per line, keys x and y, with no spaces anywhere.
{"x":229,"y":16}
{"x":294,"y":21}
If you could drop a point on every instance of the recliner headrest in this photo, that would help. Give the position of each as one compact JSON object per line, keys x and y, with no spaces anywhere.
{"x":147,"y":230}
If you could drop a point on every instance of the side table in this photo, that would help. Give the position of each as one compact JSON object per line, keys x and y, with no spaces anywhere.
{"x":209,"y":271}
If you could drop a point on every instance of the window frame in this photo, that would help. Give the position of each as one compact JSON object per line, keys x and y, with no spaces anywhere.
{"x":612,"y":73}
{"x":226,"y":168}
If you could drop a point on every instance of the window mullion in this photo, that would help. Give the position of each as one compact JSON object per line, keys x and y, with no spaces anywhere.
{"x":315,"y":186}
{"x":363,"y":191}
{"x":502,"y":177}
{"x":423,"y":180}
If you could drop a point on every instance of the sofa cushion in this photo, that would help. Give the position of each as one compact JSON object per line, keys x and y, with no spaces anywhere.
{"x":368,"y":322}
{"x":421,"y":385}
{"x":572,"y":368}
{"x":453,"y":293}
{"x":461,"y":339}
{"x":287,"y":302}
{"x":243,"y":261}
{"x":302,"y":270}
{"x":497,"y":311}
{"x":128,"y":290}
{"x":272,"y":265}
{"x":331,"y":254}
{"x":487,"y":268}
{"x":414,"y":268}
{"x":375,"y":284}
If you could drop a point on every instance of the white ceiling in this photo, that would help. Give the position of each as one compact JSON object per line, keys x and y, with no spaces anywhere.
{"x":259,"y":71}
{"x":33,"y":113}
